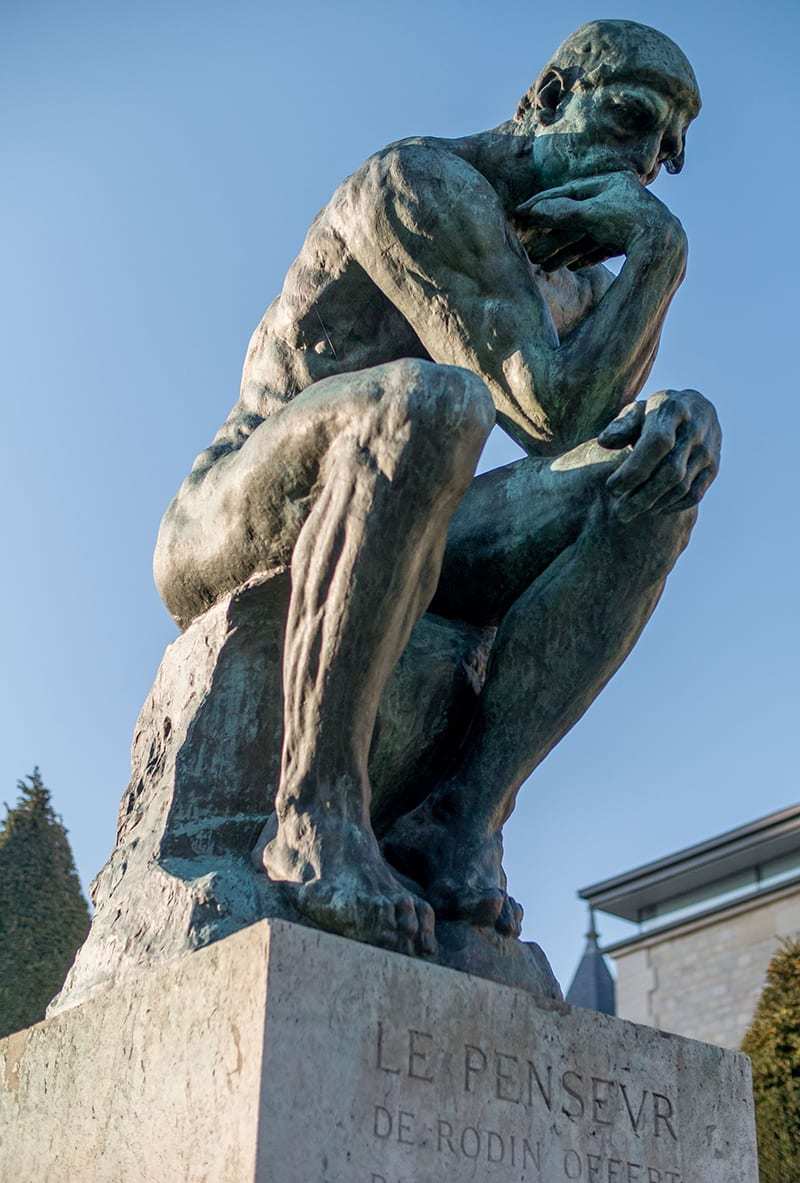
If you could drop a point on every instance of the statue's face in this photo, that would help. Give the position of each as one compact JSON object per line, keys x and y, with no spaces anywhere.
{"x":611,"y":127}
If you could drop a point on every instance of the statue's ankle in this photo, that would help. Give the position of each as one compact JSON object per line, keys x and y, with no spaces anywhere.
{"x":322,"y":826}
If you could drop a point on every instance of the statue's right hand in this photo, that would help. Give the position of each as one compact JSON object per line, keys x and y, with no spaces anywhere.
{"x":596,"y":218}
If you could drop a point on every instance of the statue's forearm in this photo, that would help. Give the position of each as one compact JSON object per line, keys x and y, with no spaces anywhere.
{"x":604,"y":361}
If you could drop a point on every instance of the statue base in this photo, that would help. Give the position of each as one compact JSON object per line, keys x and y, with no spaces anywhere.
{"x":206,"y":761}
{"x":289,"y":1055}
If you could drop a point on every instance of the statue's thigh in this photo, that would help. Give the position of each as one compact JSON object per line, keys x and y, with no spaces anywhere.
{"x":513,"y":523}
{"x":243,"y":516}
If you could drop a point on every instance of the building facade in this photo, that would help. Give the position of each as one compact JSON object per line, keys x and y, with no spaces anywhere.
{"x":709,"y":919}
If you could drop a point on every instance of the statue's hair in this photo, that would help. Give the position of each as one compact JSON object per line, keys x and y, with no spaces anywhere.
{"x":605,"y":51}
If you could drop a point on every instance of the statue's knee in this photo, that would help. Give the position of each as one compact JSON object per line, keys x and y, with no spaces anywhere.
{"x":676,"y":528}
{"x":169,"y":577}
{"x":449,"y":410}
{"x":177,"y":568}
{"x":649,"y":543}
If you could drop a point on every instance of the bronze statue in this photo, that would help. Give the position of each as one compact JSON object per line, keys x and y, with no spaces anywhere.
{"x":446,"y":286}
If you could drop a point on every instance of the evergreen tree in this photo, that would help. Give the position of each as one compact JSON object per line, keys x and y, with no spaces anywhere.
{"x":43,"y":915}
{"x":773,"y":1043}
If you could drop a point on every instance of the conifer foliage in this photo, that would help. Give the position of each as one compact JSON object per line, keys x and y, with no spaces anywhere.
{"x":773,"y":1043}
{"x":43,"y":915}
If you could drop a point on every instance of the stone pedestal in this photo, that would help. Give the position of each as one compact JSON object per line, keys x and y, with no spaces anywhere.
{"x":284,"y":1055}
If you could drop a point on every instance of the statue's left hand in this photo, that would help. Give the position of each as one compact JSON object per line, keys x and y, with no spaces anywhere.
{"x":676,"y":440}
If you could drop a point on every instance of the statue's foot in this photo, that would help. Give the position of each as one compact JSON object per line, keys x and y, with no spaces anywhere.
{"x":461,"y":873}
{"x":340,"y":882}
{"x":509,"y":922}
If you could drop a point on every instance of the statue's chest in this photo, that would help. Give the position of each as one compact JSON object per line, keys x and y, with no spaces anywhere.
{"x":568,"y":296}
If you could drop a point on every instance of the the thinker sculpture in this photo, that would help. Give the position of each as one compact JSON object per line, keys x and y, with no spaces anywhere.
{"x":446,"y":286}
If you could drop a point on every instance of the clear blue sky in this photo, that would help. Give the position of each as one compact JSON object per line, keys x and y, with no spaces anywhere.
{"x":160,"y":164}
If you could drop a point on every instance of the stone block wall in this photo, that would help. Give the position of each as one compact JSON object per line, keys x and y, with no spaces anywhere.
{"x":704,"y":979}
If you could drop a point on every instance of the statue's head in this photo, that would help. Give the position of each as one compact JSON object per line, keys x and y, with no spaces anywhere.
{"x":616,"y":95}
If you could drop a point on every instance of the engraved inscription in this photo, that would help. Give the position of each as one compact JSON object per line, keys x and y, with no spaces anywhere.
{"x":532,"y":1083}
{"x":597,"y":1168}
{"x":530,"y":1087}
{"x":473,"y":1143}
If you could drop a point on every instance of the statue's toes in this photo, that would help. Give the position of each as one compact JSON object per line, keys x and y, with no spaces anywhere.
{"x":426,"y":935}
{"x":404,"y":924}
{"x":388,"y":923}
{"x":509,"y":922}
{"x":383,"y":915}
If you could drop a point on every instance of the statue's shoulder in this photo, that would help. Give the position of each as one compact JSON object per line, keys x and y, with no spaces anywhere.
{"x":419,"y":171}
{"x":423,"y":151}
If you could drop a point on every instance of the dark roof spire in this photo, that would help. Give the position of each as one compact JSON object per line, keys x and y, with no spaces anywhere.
{"x":593,"y":986}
